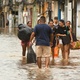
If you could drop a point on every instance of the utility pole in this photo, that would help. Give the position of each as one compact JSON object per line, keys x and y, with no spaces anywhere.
{"x":74,"y":15}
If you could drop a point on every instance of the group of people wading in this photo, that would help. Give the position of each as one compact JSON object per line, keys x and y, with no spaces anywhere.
{"x":48,"y":39}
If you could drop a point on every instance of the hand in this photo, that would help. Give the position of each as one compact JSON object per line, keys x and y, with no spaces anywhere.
{"x":30,"y":44}
{"x":51,"y":44}
{"x":71,"y":40}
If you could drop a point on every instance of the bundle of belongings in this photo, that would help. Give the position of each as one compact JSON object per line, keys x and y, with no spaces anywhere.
{"x":24,"y":32}
{"x":75,"y":44}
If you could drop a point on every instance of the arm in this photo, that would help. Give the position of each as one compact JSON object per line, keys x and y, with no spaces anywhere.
{"x":71,"y":29}
{"x":51,"y":39}
{"x":71,"y":36}
{"x":31,"y":38}
{"x":33,"y":34}
{"x":61,"y":34}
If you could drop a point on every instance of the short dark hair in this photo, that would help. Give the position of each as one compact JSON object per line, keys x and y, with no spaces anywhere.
{"x":42,"y":18}
{"x":28,"y":22}
{"x":56,"y":18}
{"x":50,"y":21}
{"x":68,"y":21}
{"x":62,"y":21}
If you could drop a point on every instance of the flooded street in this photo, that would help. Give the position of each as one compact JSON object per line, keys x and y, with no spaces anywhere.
{"x":11,"y":67}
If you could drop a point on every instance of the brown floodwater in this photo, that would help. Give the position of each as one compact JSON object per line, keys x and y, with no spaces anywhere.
{"x":12,"y":68}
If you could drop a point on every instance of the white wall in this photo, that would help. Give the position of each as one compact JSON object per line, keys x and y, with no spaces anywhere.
{"x":55,"y":9}
{"x":67,"y":15}
{"x":69,"y":18}
{"x":78,"y":19}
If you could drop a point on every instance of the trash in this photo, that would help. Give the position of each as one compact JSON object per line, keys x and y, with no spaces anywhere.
{"x":31,"y":56}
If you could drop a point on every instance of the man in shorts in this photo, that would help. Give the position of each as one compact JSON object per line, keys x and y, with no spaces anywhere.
{"x":44,"y":38}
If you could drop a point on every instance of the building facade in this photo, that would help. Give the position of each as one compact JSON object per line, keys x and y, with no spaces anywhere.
{"x":21,"y":11}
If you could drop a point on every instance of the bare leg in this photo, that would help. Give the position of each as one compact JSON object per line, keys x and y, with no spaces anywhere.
{"x":47,"y":61}
{"x":62,"y":49}
{"x":23,"y":54}
{"x":69,"y":51}
{"x":66,"y":51}
{"x":39,"y":62}
{"x":52,"y":49}
{"x":23,"y":50}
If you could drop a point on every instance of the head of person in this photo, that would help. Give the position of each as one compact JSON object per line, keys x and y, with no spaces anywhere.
{"x":42,"y":19}
{"x":38,"y":22}
{"x":56,"y":20}
{"x":68,"y":23}
{"x":51,"y":23}
{"x":29,"y":23}
{"x":61,"y":23}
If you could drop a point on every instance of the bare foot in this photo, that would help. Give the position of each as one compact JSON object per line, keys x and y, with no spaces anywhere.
{"x":24,"y":60}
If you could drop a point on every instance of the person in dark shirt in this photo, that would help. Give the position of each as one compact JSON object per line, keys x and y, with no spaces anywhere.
{"x":44,"y":38}
{"x":56,"y":38}
{"x":68,"y":24}
{"x":55,"y":21}
{"x":51,"y":24}
{"x":55,"y":47}
{"x":25,"y":44}
{"x":64,"y":39}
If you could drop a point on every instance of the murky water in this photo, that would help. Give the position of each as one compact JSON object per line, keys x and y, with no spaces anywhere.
{"x":11,"y":67}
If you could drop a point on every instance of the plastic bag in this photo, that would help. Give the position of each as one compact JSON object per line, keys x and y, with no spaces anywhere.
{"x":31,"y":56}
{"x":56,"y":52}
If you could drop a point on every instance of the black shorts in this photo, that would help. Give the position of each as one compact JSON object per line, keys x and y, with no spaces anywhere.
{"x":66,"y":39}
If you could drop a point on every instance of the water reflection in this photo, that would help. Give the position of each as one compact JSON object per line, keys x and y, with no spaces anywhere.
{"x":12,"y":68}
{"x":6,"y":30}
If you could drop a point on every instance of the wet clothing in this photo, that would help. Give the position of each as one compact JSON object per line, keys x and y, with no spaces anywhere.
{"x":42,"y":34}
{"x":26,"y":43}
{"x":64,"y":30}
{"x":55,"y":38}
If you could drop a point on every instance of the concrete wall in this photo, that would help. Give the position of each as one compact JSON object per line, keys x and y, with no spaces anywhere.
{"x":69,"y":18}
{"x":55,"y":9}
{"x":78,"y":18}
